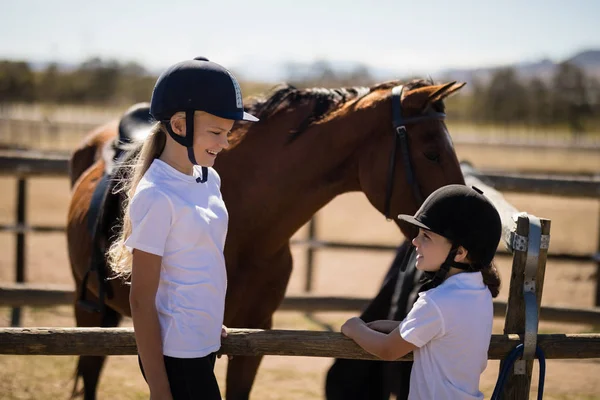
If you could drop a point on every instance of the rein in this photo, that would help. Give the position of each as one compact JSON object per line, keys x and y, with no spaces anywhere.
{"x":401,"y":138}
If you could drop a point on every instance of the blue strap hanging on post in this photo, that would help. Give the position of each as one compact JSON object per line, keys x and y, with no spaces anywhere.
{"x":509,"y":361}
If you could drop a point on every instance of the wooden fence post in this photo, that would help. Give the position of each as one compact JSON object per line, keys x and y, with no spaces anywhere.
{"x":518,"y":386}
{"x":597,"y":302}
{"x":310,"y":252}
{"x":20,"y":246}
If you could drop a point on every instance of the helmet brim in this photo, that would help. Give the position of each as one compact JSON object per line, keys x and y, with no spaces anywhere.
{"x":249,"y":117}
{"x":236,"y":116}
{"x":412,"y":221}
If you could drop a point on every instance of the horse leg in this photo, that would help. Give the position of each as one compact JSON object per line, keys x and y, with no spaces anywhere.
{"x":241,"y":372}
{"x":254,"y":298}
{"x":397,"y":375}
{"x":365,"y":379}
{"x":89,"y":367}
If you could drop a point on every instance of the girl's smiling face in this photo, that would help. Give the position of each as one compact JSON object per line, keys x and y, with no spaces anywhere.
{"x":432,"y":250}
{"x":210,"y":137}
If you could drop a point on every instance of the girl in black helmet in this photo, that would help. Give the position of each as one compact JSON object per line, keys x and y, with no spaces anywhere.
{"x":450,"y":325}
{"x":174,"y":230}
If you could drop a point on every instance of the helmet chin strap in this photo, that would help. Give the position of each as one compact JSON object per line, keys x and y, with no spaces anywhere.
{"x":433,"y":279}
{"x":188,"y":141}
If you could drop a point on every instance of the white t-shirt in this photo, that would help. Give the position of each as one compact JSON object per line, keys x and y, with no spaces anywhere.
{"x":452,"y":326}
{"x":185,"y":222}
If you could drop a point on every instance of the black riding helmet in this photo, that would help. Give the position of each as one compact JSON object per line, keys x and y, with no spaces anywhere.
{"x":466,"y":218}
{"x":197,"y":84}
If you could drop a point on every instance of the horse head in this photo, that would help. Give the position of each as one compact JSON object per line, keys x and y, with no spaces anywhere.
{"x":408,"y":152}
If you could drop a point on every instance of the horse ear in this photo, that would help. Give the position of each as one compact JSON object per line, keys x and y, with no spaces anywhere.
{"x":445,"y":91}
{"x":423,"y":97}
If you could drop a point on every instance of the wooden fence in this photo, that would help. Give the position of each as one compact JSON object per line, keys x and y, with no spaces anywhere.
{"x":520,"y":324}
{"x":525,"y":235}
{"x":256,"y":342}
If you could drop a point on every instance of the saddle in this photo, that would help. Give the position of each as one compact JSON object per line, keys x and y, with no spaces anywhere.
{"x":134,"y":126}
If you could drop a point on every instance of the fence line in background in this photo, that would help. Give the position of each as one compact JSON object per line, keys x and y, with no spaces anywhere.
{"x":46,"y":295}
{"x":15,"y":128}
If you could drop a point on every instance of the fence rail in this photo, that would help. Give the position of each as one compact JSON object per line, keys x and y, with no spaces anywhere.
{"x":44,"y":295}
{"x":326,"y":244}
{"x":251,"y":342}
{"x":72,"y":125}
{"x":32,"y":163}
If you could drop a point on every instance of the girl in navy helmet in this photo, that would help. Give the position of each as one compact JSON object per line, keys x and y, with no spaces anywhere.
{"x":449,"y":327}
{"x":174,"y":230}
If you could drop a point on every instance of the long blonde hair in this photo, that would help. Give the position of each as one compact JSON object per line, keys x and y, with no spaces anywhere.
{"x":118,"y":257}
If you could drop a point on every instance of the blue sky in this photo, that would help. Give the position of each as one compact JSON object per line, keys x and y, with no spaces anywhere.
{"x":254,"y":36}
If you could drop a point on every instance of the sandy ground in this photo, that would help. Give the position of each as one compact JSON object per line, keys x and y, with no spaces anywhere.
{"x":574,"y":229}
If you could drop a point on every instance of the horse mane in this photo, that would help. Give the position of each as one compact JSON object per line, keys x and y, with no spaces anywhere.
{"x":285,"y":97}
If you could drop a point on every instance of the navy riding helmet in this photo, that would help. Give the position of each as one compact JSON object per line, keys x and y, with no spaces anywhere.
{"x":197,"y":84}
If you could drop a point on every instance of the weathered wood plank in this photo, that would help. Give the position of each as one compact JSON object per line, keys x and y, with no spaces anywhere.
{"x":250,"y":342}
{"x":33,"y":163}
{"x":557,"y":185}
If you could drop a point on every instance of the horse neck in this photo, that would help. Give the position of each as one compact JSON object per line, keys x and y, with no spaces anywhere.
{"x":290,"y":182}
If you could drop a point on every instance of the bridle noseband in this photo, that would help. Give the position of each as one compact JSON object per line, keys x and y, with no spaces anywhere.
{"x":400,"y":135}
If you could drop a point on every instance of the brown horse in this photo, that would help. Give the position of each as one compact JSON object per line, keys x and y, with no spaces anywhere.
{"x":309,"y":146}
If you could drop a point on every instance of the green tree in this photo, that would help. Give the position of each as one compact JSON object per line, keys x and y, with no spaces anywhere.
{"x":570,"y":101}
{"x":504,"y":99}
{"x":101,"y":79}
{"x":135,"y":84}
{"x":477,"y":107}
{"x":539,"y":102}
{"x":49,"y":84}
{"x":594,"y":97}
{"x":17,"y":82}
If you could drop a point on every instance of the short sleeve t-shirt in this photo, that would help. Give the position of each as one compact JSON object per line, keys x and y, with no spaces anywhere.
{"x":452,"y":326}
{"x":184,"y":222}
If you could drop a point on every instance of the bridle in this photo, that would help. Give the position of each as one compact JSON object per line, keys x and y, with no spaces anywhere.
{"x":400,"y":136}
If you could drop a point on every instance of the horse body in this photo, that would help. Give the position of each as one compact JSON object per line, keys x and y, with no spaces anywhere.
{"x":273,"y":182}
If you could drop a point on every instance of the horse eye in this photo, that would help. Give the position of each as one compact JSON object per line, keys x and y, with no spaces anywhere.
{"x":435,"y":157}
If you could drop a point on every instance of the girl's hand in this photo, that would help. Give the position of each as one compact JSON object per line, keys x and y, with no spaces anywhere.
{"x":351,"y":325}
{"x":224,"y":335}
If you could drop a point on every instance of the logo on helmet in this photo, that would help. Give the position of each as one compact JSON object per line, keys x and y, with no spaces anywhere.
{"x":238,"y":91}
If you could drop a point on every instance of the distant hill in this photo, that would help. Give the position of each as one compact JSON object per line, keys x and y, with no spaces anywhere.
{"x":588,"y":60}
